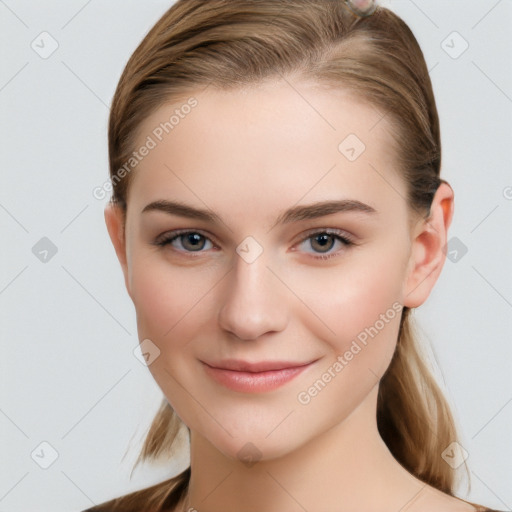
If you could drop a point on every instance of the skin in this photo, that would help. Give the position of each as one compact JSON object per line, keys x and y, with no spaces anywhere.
{"x":247,"y":155}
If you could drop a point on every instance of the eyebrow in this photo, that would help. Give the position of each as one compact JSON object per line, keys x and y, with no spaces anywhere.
{"x":183,"y":210}
{"x":323,"y":208}
{"x":294,"y":214}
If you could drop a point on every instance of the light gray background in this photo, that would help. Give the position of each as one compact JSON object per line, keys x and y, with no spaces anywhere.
{"x":69,"y":377}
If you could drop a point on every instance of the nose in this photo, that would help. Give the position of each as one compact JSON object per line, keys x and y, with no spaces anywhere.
{"x":253,"y":303}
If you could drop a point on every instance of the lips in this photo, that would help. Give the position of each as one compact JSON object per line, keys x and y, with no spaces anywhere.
{"x":259,"y":377}
{"x":262,"y":366}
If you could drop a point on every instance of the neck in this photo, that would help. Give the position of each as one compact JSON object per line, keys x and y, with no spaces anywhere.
{"x":346,"y":468}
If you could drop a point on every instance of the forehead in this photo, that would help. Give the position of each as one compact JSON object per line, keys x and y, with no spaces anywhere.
{"x":280,"y":141}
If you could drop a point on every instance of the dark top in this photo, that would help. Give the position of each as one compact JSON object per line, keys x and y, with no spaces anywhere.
{"x":108,"y":507}
{"x":172,"y":489}
{"x":104,"y":507}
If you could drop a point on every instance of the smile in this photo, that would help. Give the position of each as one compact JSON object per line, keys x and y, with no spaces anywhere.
{"x":254,"y":381}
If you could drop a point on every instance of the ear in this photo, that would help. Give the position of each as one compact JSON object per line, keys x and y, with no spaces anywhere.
{"x":115,"y":219}
{"x":428,"y":251}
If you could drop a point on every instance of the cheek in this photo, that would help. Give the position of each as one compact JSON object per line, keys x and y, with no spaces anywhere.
{"x":362,"y":306}
{"x":173,"y":307}
{"x":356,"y":305}
{"x":351,"y":296}
{"x":169,"y":300}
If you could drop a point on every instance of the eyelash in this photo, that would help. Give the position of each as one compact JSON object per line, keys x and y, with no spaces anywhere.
{"x":346,"y":240}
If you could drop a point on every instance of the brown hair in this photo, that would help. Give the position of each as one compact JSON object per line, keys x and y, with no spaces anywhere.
{"x":229,"y":44}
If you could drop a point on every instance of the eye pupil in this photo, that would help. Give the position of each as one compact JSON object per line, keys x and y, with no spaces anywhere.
{"x":323,"y":241}
{"x":193,"y":241}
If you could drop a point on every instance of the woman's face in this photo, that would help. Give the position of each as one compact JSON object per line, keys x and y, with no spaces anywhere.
{"x":272,"y":181}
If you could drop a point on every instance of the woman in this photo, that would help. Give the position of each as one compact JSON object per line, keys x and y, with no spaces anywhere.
{"x":278,"y":212}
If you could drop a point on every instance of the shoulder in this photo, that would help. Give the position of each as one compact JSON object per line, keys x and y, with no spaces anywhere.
{"x":160,"y":497}
{"x":432,"y":498}
{"x":474,"y":507}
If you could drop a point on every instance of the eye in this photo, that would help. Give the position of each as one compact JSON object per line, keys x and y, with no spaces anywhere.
{"x":185,"y":241}
{"x":323,"y":242}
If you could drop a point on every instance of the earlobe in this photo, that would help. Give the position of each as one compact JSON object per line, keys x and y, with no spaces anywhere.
{"x":428,"y":251}
{"x":115,"y":221}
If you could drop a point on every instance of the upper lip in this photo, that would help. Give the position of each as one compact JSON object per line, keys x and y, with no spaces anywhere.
{"x":261,"y":366}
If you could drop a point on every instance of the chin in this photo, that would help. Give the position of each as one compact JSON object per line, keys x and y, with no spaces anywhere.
{"x":249,"y":449}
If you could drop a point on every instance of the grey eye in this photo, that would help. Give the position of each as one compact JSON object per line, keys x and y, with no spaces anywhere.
{"x":323,"y":242}
{"x":192,"y":241}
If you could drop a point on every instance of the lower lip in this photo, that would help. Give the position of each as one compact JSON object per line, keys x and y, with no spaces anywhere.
{"x":257,"y":382}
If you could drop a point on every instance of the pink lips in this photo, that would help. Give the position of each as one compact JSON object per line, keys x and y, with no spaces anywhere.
{"x":254,"y":377}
